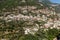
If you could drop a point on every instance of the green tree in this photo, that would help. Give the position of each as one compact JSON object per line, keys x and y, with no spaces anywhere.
{"x":28,"y":37}
{"x":8,"y":4}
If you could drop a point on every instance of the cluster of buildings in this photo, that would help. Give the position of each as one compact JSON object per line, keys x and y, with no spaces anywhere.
{"x":33,"y":18}
{"x":30,"y":14}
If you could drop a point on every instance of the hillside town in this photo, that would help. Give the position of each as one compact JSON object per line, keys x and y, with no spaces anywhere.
{"x":28,"y":19}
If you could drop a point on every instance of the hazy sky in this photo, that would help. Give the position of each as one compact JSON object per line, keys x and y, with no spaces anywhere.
{"x":55,"y":1}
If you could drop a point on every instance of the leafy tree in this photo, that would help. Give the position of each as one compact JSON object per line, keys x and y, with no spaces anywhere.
{"x":28,"y":37}
{"x":32,"y":2}
{"x":52,"y":33}
{"x":8,"y":4}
